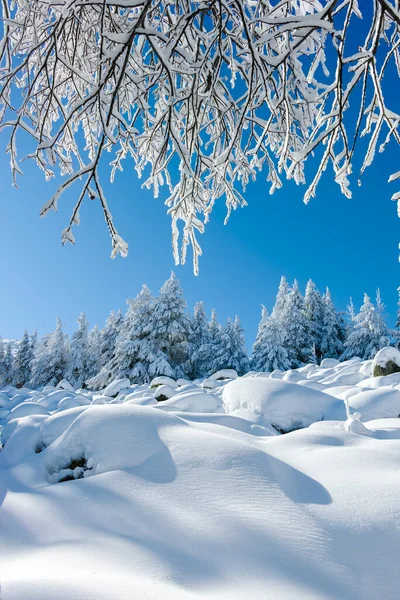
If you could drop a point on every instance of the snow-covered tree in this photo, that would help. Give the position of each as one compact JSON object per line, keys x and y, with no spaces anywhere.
{"x":137,"y":355}
{"x":231,"y":353}
{"x":93,"y":362}
{"x":281,"y":297}
{"x":77,"y":371}
{"x":331,"y":345}
{"x":8,"y":365}
{"x":76,"y":67}
{"x":51,"y":358}
{"x":109,"y":335}
{"x":199,"y":341}
{"x":294,"y":327}
{"x":171,"y":325}
{"x":269,"y":352}
{"x":313,"y":311}
{"x":2,"y":355}
{"x":398,"y":310}
{"x":370,"y":333}
{"x":259,"y":341}
{"x":22,"y":361}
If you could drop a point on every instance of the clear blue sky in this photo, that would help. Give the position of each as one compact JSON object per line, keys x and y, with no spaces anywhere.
{"x":349,"y":245}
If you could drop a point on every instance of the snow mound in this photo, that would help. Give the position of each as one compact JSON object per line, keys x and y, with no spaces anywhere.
{"x":115,"y":387}
{"x":196,"y":402}
{"x":376,"y":403}
{"x":65,"y":385}
{"x":56,"y":424}
{"x":387,"y":359}
{"x":284,"y":404}
{"x":27,"y":409}
{"x":106,"y":438}
{"x":224,"y":374}
{"x":163,"y":380}
{"x":327,"y":363}
{"x":164,"y":392}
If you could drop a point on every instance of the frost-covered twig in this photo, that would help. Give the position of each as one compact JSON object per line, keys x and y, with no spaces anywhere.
{"x":200,"y":95}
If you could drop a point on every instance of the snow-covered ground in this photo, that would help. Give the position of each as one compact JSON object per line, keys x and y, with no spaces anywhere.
{"x":114,"y":495}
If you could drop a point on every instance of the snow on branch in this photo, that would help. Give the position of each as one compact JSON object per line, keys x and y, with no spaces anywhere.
{"x":201,"y":95}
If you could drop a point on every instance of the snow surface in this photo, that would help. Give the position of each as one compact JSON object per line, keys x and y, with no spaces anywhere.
{"x":200,"y":496}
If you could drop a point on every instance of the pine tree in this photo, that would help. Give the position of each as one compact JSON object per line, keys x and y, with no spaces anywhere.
{"x":171,"y":325}
{"x":398,"y":310}
{"x":137,"y":354}
{"x":331,"y":346}
{"x":293,"y":322}
{"x":271,"y":353}
{"x":109,"y":335}
{"x":8,"y":365}
{"x":281,"y":297}
{"x":51,"y":358}
{"x":22,"y":361}
{"x":256,"y":360}
{"x":77,"y":371}
{"x":199,"y":341}
{"x":313,"y":310}
{"x":93,"y":353}
{"x":369,"y":334}
{"x":2,"y":366}
{"x":231,"y":353}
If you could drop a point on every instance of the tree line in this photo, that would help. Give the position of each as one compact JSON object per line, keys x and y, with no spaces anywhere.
{"x":157,"y":336}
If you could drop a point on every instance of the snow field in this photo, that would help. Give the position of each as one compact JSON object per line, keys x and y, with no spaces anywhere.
{"x":200,"y":496}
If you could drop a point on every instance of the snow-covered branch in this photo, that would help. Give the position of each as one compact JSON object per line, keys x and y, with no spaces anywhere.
{"x":201,"y":95}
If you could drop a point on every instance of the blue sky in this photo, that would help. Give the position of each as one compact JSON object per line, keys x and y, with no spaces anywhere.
{"x":349,"y":245}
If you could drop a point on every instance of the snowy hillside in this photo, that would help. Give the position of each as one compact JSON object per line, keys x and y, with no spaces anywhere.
{"x":179,"y":490}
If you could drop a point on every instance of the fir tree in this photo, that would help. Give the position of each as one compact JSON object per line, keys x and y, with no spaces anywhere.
{"x":93,"y":353}
{"x":293,"y":322}
{"x":8,"y":365}
{"x":77,"y":371}
{"x":256,"y":360}
{"x":2,"y":366}
{"x":51,"y":358}
{"x":313,"y":311}
{"x":369,"y":334}
{"x":231,"y":353}
{"x":137,"y":355}
{"x":331,"y":346}
{"x":281,"y":297}
{"x":199,"y":341}
{"x":22,"y":361}
{"x":171,"y":325}
{"x":270,"y":353}
{"x":109,"y":335}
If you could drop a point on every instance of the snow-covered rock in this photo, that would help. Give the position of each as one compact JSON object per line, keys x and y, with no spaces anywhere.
{"x":376,"y":403}
{"x":27,"y":409}
{"x":327,"y":363}
{"x":284,"y":404}
{"x":210,"y":384}
{"x":378,"y":382}
{"x":65,"y":385}
{"x":224,"y":374}
{"x":386,"y":362}
{"x":106,"y":438}
{"x":115,"y":387}
{"x":196,"y":402}
{"x":163,"y":380}
{"x":164,"y":392}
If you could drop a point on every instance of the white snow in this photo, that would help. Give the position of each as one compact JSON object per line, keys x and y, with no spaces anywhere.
{"x":199,"y":497}
{"x":116,"y":386}
{"x":284,"y":404}
{"x":389,"y":353}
